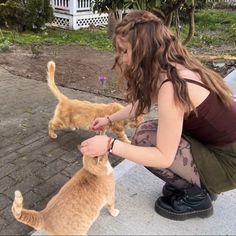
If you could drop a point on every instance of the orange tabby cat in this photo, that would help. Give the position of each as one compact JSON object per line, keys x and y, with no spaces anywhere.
{"x":77,"y":205}
{"x":80,"y":114}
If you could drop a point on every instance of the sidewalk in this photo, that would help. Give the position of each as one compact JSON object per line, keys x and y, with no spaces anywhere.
{"x":38,"y":166}
{"x":137,"y":191}
{"x":29,"y":160}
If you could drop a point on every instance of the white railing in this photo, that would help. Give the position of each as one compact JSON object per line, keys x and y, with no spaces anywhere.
{"x":76,"y":14}
{"x":72,"y":6}
{"x":84,"y":5}
{"x":61,"y":4}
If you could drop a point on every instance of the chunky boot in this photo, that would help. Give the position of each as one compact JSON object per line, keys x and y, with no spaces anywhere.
{"x":168,"y":190}
{"x":193,"y":202}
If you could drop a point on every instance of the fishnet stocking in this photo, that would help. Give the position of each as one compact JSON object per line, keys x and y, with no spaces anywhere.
{"x":183,"y":172}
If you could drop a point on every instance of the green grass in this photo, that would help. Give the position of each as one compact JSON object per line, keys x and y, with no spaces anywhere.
{"x":213,"y":28}
{"x":96,"y":38}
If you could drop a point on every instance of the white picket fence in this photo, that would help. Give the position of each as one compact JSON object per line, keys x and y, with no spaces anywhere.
{"x":76,"y":14}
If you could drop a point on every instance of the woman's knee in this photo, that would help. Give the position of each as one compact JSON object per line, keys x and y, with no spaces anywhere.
{"x":145,"y":134}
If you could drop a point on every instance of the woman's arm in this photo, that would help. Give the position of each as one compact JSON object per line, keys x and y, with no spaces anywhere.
{"x":170,"y":121}
{"x":125,"y":113}
{"x":168,"y":136}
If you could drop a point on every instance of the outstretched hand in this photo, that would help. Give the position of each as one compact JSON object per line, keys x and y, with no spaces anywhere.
{"x":99,"y":123}
{"x":95,"y":146}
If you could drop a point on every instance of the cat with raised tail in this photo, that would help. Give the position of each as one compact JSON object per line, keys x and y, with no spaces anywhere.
{"x":74,"y":113}
{"x":78,"y":203}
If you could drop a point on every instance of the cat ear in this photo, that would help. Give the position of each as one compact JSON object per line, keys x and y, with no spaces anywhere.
{"x":98,"y":159}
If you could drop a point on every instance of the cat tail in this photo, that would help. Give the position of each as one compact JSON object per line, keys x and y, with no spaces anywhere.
{"x":28,"y":217}
{"x":51,"y":81}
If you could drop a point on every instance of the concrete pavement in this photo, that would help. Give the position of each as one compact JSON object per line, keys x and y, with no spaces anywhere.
{"x":29,"y":159}
{"x":39,"y":166}
{"x":137,"y":191}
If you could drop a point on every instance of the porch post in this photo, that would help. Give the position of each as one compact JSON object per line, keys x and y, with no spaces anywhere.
{"x":73,"y":6}
{"x":73,"y":11}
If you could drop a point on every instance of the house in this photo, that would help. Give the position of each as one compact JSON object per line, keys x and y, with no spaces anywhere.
{"x":76,"y":14}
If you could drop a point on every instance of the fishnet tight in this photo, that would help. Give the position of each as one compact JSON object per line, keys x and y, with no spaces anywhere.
{"x":183,"y":172}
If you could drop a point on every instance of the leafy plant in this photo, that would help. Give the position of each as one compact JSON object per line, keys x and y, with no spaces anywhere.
{"x":142,"y":5}
{"x":108,"y":6}
{"x":26,"y":15}
{"x":5,"y":46}
{"x":38,"y":13}
{"x":36,"y":50}
{"x":13,"y":13}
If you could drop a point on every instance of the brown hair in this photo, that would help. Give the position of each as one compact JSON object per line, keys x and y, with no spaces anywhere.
{"x":154,"y":51}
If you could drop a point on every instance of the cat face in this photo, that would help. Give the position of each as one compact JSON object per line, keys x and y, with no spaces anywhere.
{"x":98,"y":165}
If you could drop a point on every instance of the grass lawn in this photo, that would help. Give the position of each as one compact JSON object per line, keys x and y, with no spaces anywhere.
{"x":95,"y":38}
{"x":214,"y":28}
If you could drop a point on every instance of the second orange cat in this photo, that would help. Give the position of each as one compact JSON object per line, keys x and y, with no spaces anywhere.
{"x":77,"y":205}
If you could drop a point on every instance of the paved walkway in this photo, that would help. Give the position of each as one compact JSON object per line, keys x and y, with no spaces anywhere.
{"x":39,"y":166}
{"x":29,"y":159}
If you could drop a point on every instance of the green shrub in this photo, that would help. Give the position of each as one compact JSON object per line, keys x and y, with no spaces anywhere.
{"x":26,"y":15}
{"x":13,"y":13}
{"x":39,"y":12}
{"x":2,"y":20}
{"x":5,"y":46}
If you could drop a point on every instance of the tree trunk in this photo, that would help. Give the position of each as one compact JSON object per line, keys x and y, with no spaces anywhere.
{"x":169,"y":19}
{"x":177,"y":23}
{"x":191,"y":24}
{"x":113,"y":20}
{"x":172,"y":7}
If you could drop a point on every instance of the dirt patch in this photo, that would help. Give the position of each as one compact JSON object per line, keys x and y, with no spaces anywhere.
{"x":77,"y":67}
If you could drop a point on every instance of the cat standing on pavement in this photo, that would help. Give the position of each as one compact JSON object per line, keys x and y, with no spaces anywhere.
{"x":74,"y":113}
{"x":77,"y":205}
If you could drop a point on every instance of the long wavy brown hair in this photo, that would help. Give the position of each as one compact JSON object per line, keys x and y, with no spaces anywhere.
{"x":155,"y":50}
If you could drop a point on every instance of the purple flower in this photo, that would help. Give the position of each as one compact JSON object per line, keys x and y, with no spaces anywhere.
{"x":102,"y":79}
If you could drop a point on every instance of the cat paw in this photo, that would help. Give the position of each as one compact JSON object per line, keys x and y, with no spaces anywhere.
{"x":53,"y":136}
{"x":114,"y":212}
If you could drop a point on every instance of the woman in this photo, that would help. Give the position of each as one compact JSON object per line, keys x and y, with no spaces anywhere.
{"x":192,"y":146}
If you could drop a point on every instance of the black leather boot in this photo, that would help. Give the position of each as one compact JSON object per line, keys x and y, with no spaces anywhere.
{"x":169,"y":190}
{"x":192,"y":202}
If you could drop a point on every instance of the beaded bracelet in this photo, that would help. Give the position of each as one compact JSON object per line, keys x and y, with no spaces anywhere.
{"x":109,"y":120}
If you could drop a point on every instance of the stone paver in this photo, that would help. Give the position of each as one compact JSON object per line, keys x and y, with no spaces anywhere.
{"x":29,"y":160}
{"x":38,"y":166}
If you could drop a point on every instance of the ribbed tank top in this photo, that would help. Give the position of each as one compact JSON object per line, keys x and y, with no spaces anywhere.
{"x":215,"y":123}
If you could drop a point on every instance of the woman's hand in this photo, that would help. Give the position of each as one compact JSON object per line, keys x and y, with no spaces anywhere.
{"x":98,"y":123}
{"x":95,"y":146}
